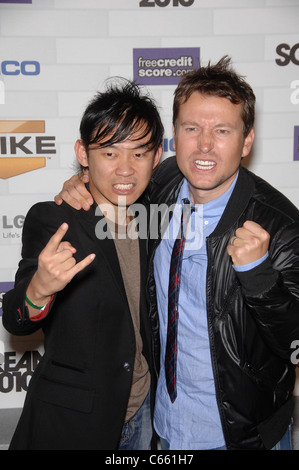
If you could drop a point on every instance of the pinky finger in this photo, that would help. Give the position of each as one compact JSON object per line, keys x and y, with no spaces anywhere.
{"x":83,"y":264}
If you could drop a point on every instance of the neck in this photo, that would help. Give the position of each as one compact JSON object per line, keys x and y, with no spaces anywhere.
{"x":202,"y":196}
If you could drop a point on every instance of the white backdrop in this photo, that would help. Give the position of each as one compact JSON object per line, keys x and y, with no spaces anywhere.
{"x":55,"y":54}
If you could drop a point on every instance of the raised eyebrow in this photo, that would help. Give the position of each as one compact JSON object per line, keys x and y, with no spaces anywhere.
{"x":190,"y":123}
{"x":224,"y":124}
{"x":141,"y":147}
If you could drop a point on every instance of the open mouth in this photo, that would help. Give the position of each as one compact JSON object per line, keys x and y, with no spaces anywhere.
{"x":204,"y":164}
{"x":124,"y":187}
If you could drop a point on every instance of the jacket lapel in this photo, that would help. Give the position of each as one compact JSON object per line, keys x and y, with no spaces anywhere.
{"x":105,"y":246}
{"x":237,"y":203}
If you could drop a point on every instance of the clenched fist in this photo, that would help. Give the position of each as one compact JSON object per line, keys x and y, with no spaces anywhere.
{"x":250,"y":243}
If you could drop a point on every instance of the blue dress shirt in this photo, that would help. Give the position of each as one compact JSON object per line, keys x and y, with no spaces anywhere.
{"x":192,"y":422}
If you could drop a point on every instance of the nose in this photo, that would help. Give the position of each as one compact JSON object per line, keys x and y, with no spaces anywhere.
{"x":124,"y":167}
{"x":205,"y":141}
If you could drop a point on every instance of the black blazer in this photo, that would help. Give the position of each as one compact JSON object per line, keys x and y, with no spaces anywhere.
{"x":78,"y":395}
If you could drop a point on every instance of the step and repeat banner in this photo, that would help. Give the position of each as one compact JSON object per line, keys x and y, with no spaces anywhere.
{"x":55,"y":54}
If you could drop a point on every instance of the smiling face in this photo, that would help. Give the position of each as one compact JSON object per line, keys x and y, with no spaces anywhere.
{"x":120,"y":173}
{"x":209,"y":142}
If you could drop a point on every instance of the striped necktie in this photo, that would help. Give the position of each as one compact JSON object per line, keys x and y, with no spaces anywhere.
{"x":173,"y":297}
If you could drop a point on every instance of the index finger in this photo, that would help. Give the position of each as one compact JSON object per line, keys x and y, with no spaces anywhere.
{"x":55,"y":240}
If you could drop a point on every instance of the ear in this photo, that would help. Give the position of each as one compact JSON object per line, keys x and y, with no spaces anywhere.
{"x":248,"y":143}
{"x":157,"y":157}
{"x":81,"y":153}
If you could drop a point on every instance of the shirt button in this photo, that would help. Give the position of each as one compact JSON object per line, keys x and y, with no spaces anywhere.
{"x":127,"y":366}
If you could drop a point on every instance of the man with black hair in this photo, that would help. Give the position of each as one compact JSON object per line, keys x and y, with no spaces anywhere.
{"x":85,"y":289}
{"x":226,"y":376}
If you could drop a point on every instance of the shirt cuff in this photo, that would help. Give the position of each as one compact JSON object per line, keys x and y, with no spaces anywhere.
{"x":247,"y":267}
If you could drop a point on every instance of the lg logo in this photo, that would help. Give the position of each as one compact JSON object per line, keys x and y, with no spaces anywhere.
{"x":165,"y":3}
{"x":17,"y":222}
{"x":288,"y":54}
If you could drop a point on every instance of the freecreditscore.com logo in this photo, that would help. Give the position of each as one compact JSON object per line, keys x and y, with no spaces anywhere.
{"x":164,"y":66}
{"x":21,"y":154}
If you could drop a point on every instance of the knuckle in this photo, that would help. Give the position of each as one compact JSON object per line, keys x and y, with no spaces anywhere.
{"x":56,"y":272}
{"x":255,"y":242}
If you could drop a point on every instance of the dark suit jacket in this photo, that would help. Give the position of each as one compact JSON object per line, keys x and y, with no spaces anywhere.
{"x":78,"y":395}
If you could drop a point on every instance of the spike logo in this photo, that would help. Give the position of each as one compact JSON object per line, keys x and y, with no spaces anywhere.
{"x":21,"y":154}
